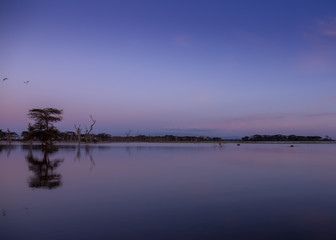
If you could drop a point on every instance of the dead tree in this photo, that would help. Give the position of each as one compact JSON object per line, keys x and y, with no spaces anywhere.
{"x":88,"y":131}
{"x":128,"y":135}
{"x":9,"y":136}
{"x":30,"y":132}
{"x":79,"y":132}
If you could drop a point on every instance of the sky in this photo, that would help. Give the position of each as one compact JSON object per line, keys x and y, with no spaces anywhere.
{"x":203,"y":68}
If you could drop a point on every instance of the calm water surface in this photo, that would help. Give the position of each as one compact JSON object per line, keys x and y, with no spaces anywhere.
{"x":168,"y":191}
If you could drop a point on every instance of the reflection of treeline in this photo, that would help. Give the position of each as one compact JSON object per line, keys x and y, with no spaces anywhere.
{"x":279,"y":137}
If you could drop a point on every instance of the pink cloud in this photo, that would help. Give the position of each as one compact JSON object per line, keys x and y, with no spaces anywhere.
{"x":321,"y":32}
{"x":329,"y":33}
{"x":314,"y":62}
{"x":326,"y":27}
{"x":320,"y":58}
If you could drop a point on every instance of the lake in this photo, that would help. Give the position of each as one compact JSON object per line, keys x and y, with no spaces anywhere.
{"x":168,"y":191}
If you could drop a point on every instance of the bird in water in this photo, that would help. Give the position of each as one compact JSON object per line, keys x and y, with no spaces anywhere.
{"x":26,"y":82}
{"x":4,"y":79}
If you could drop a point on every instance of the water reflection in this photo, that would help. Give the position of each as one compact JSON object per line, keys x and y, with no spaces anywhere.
{"x":3,"y":212}
{"x":88,"y":153}
{"x":44,"y":169}
{"x":8,"y":148}
{"x":78,"y":153}
{"x":169,"y":191}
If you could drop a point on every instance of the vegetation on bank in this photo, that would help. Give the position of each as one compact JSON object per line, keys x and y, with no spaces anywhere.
{"x":43,"y":130}
{"x":285,"y":138}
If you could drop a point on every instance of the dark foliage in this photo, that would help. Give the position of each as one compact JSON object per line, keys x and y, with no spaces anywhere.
{"x":279,"y":137}
{"x":43,"y":128}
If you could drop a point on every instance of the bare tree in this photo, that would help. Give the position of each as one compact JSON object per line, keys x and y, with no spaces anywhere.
{"x":128,"y":134}
{"x":8,"y":134}
{"x":30,"y":132}
{"x":79,"y":132}
{"x":88,"y":131}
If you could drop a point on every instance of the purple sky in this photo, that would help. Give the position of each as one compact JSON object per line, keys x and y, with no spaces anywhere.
{"x":206,"y":68}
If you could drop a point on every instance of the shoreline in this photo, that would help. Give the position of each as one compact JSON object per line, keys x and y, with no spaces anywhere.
{"x":172,"y":142}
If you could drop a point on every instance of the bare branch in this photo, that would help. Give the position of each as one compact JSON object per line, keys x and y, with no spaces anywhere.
{"x":91,"y":126}
{"x":8,"y":134}
{"x":79,"y":132}
{"x":88,"y":132}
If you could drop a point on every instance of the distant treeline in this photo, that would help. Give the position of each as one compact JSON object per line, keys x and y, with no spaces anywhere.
{"x":104,"y":137}
{"x":70,"y":136}
{"x":279,"y":137}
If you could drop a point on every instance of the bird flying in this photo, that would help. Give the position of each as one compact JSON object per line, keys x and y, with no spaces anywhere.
{"x":4,"y":79}
{"x":26,"y":82}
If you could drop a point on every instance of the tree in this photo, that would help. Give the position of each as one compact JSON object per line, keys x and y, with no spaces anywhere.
{"x":128,"y":135}
{"x":43,"y":128}
{"x":79,"y":132}
{"x":2,"y":135}
{"x":8,"y":134}
{"x":88,"y":131}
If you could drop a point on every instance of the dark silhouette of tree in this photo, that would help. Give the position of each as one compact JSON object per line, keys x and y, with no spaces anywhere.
{"x":246,"y":138}
{"x":88,"y":136}
{"x":24,"y":135}
{"x":279,"y":137}
{"x":8,"y":135}
{"x":103,"y":137}
{"x":68,"y":136}
{"x":79,"y":132}
{"x":43,"y":128}
{"x":128,"y":135}
{"x":2,"y":135}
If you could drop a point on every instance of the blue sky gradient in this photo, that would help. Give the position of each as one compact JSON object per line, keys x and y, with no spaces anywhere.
{"x":217,"y":68}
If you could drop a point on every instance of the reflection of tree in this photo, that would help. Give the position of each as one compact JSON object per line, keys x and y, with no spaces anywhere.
{"x":87,"y":154}
{"x":128,"y":150}
{"x":78,"y":153}
{"x":44,"y":170}
{"x":8,"y":148}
